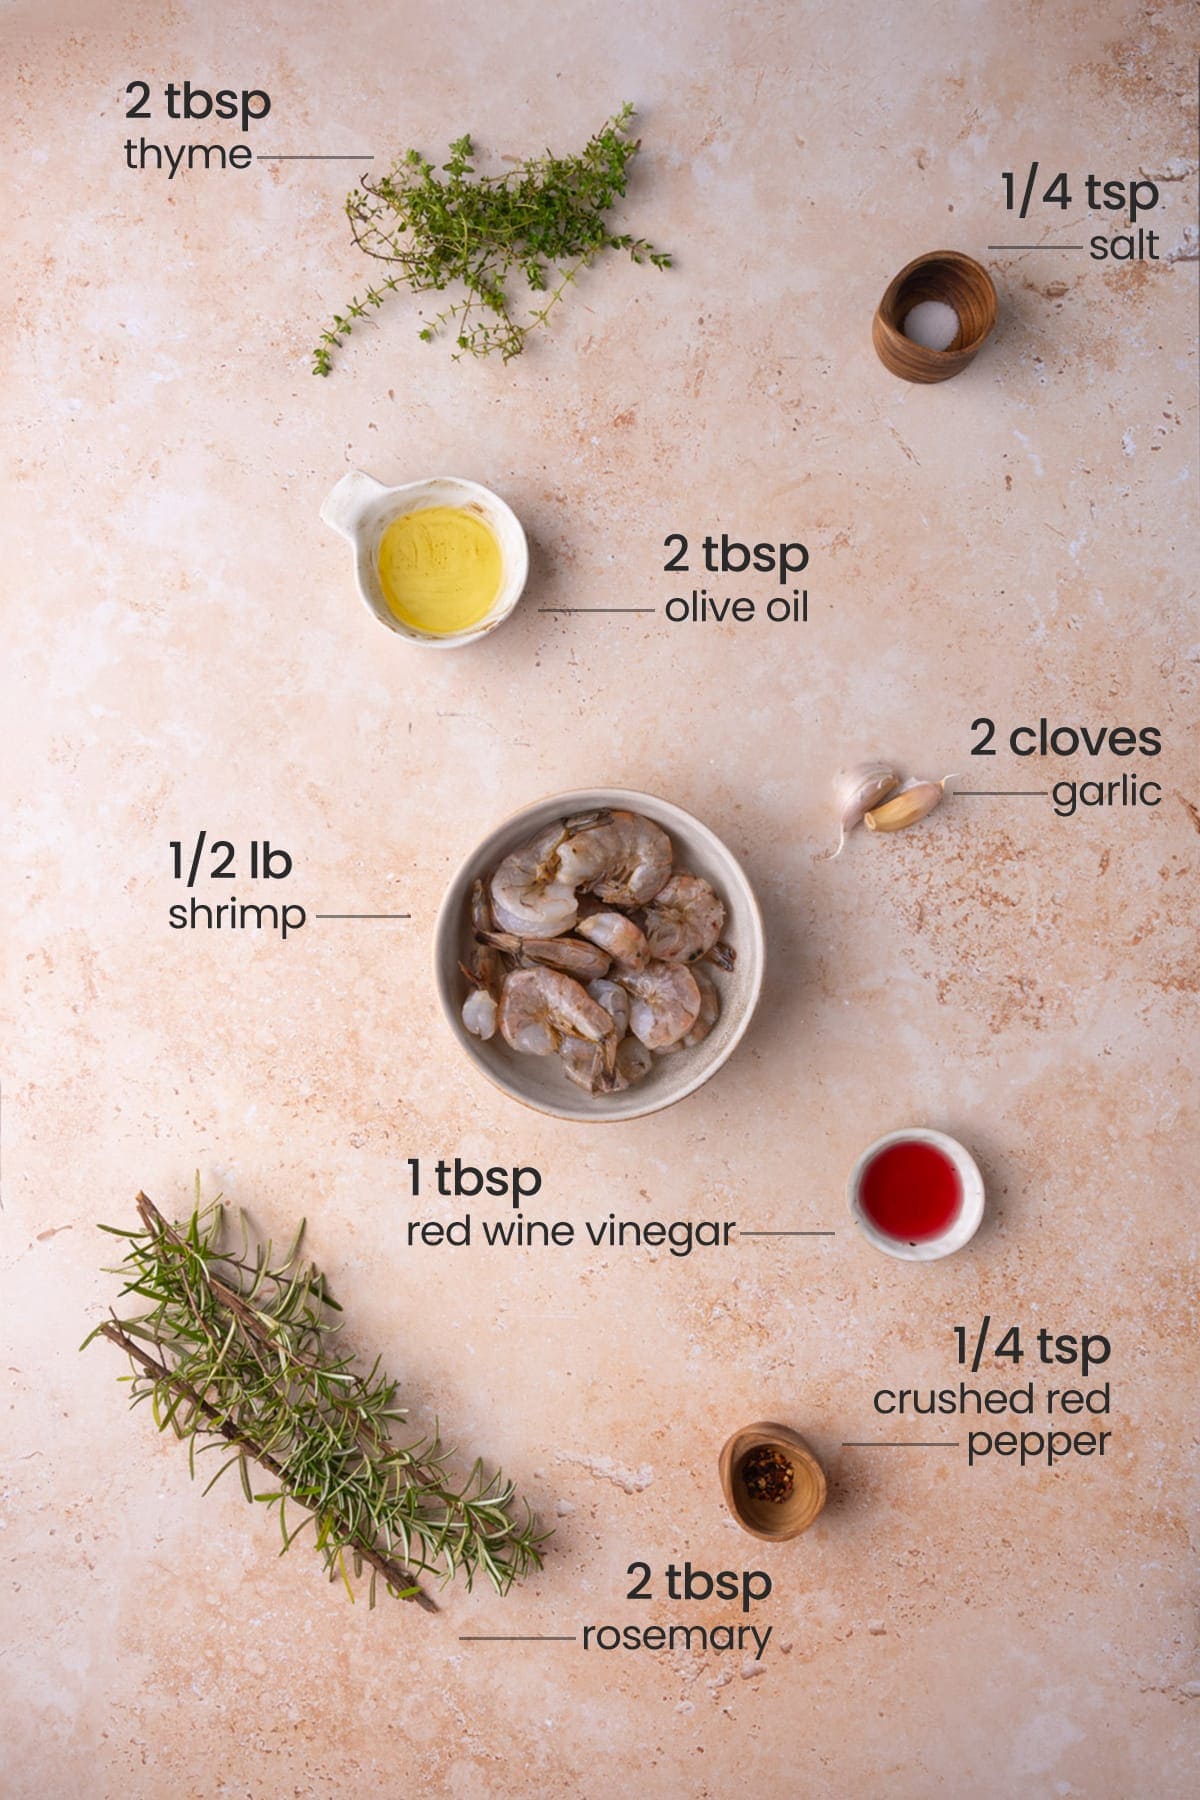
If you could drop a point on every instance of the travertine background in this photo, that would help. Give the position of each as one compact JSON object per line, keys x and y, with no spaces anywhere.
{"x":183,"y":648}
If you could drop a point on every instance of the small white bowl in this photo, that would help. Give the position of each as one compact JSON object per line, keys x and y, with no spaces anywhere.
{"x":539,"y":1081}
{"x":361,"y":508}
{"x":962,"y":1227}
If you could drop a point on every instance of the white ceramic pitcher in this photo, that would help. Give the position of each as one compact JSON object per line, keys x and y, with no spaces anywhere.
{"x":361,"y":508}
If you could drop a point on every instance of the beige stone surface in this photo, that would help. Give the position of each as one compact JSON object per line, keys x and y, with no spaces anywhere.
{"x":183,"y":649}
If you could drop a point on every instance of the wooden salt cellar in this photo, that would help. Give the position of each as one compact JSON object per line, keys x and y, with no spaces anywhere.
{"x":954,"y":279}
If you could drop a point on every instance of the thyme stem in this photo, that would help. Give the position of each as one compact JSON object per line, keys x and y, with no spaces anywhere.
{"x":540,"y":223}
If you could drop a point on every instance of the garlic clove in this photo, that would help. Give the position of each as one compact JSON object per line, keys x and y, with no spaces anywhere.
{"x":858,"y":790}
{"x":912,"y":804}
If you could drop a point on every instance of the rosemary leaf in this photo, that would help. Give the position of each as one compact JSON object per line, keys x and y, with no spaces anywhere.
{"x":238,"y":1351}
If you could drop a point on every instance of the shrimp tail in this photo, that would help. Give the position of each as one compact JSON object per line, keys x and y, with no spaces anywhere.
{"x":724,"y":955}
{"x":505,"y":941}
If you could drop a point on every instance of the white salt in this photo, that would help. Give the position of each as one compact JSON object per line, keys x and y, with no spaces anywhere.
{"x":932,"y":324}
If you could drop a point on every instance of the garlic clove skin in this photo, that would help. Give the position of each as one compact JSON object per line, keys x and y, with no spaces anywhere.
{"x":914,"y":803}
{"x":858,"y":791}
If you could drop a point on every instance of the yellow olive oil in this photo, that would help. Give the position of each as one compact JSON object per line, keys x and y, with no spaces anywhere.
{"x":440,"y":569}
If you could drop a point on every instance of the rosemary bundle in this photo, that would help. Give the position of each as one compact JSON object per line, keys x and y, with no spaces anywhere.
{"x":238,"y":1352}
{"x":543,"y":221}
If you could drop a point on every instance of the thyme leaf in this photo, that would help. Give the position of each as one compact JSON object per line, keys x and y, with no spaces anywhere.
{"x":541,"y":224}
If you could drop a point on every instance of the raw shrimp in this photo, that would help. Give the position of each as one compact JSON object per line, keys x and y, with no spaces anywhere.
{"x":587,"y":962}
{"x":480,"y":1008}
{"x":530,"y":895}
{"x":541,"y":1007}
{"x":706,"y":1018}
{"x":685,"y":919}
{"x":588,"y":945}
{"x":481,"y":913}
{"x":614,"y":932}
{"x":633,"y":1061}
{"x":666,"y":1003}
{"x":479,"y":1013}
{"x":615,"y":1001}
{"x":710,"y":1008}
{"x":585,"y":1065}
{"x":622,"y":857}
{"x":485,"y":971}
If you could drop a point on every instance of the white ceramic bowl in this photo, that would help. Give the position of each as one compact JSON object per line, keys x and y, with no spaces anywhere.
{"x":539,"y":1081}
{"x":962,"y":1227}
{"x":361,"y":508}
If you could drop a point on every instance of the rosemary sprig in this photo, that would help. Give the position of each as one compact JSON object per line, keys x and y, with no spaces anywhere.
{"x":237,"y":1351}
{"x":543,"y":221}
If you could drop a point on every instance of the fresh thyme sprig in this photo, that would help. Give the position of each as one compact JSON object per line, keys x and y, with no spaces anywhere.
{"x":543,"y":221}
{"x":237,"y":1351}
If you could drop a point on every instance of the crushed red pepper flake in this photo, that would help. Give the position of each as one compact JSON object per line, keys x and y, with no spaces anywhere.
{"x":768,"y":1475}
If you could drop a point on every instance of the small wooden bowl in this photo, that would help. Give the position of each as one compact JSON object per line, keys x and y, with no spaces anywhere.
{"x":958,"y":281}
{"x":770,"y":1519}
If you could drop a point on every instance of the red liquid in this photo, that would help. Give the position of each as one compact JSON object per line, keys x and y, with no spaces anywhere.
{"x":911,"y":1192}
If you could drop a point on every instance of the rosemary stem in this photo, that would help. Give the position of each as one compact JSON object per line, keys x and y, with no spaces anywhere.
{"x":241,"y":1346}
{"x":394,"y":1573}
{"x":369,"y":1441}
